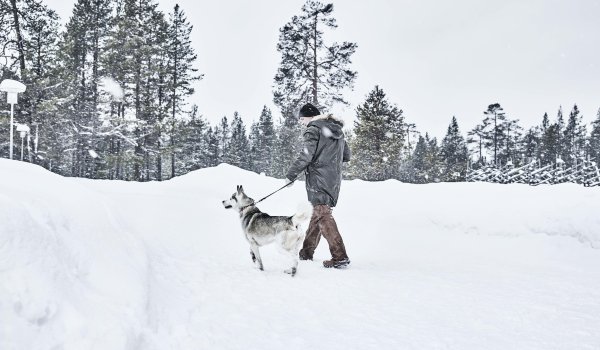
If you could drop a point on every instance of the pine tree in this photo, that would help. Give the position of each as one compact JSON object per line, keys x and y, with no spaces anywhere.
{"x":212,"y":147}
{"x":379,"y":138}
{"x":454,"y":154}
{"x":263,"y":142}
{"x":146,"y":59}
{"x":416,"y":170}
{"x":254,"y":144}
{"x":194,"y":144}
{"x":40,"y":35}
{"x":181,"y":69}
{"x":6,"y":37}
{"x":511,"y":150}
{"x":410,"y":130}
{"x":81,"y":51}
{"x":117,"y":116}
{"x":545,"y":122}
{"x":163,"y":87}
{"x":542,"y":130}
{"x":132,"y":122}
{"x":238,"y":149}
{"x":223,"y":134}
{"x":559,"y":130}
{"x":531,"y":144}
{"x":266,"y":142}
{"x":476,"y":137}
{"x":425,"y":165}
{"x":593,"y":145}
{"x":153,"y":99}
{"x":39,"y":102}
{"x":550,"y":145}
{"x":14,"y":12}
{"x":493,"y":129}
{"x":573,"y":146}
{"x":287,"y":144}
{"x":310,"y":69}
{"x":433,"y":166}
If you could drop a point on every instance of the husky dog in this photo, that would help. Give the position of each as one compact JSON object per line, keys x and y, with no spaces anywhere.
{"x":261,"y":229}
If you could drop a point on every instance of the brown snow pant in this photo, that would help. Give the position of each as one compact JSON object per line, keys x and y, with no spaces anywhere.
{"x":323,"y":223}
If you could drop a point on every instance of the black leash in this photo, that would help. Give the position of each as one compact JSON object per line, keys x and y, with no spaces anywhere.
{"x":284,"y":186}
{"x":269,"y":195}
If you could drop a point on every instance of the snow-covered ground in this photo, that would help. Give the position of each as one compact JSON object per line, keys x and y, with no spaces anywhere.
{"x":114,"y":265}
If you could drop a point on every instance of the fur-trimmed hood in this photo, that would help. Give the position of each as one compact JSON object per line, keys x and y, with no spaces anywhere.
{"x":328,"y":116}
{"x":329,"y":125}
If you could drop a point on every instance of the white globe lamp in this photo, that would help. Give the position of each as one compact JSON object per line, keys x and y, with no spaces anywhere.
{"x":12,"y":89}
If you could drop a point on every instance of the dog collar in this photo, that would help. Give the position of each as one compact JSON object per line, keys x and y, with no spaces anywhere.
{"x":249,"y":205}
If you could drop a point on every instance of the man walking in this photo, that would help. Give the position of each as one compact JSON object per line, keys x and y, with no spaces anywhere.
{"x":321,"y":156}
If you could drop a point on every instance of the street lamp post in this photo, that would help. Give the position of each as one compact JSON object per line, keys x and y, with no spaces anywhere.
{"x":23,"y":130}
{"x":12,"y":88}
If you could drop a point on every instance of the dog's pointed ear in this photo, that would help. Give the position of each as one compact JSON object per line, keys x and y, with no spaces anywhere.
{"x":241,"y":189}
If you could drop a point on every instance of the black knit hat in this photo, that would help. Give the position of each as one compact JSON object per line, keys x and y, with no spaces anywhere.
{"x":308,"y":110}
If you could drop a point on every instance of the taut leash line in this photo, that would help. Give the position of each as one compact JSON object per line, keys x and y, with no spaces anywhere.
{"x":269,"y":195}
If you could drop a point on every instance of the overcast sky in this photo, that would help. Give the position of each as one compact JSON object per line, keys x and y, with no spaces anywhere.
{"x":434,"y":59}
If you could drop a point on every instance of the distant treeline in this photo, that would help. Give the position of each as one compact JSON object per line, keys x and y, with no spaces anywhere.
{"x":108,"y":98}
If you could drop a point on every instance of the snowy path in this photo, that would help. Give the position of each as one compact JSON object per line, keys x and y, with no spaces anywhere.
{"x":425,"y":274}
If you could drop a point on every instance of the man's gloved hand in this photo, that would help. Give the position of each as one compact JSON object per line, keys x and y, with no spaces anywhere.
{"x":289,"y":182}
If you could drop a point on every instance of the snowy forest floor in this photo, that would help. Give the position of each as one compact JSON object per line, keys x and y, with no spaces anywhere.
{"x":87,"y":264}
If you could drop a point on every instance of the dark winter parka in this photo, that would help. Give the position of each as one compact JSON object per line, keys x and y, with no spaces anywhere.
{"x":321,"y":156}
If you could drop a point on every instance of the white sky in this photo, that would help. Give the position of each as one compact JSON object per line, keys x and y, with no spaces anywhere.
{"x":434,"y":59}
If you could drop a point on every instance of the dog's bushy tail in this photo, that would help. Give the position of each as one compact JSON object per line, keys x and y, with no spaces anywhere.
{"x":303,"y":214}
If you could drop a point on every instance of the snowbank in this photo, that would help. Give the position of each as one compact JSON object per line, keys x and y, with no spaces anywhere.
{"x":114,"y":265}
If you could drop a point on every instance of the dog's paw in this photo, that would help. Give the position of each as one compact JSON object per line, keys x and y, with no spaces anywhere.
{"x":291,"y":271}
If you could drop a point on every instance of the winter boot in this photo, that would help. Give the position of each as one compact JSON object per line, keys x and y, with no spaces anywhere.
{"x":303,"y":255}
{"x":338,"y":264}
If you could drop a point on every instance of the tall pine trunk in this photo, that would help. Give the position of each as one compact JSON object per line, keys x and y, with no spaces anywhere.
{"x":173,"y":115}
{"x":138,"y":114}
{"x":159,"y":120}
{"x":17,"y":27}
{"x":315,"y":76}
{"x":95,"y":55}
{"x":495,"y":139}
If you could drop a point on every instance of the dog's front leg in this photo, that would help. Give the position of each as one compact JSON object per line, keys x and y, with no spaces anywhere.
{"x":292,"y":247}
{"x":256,"y":256}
